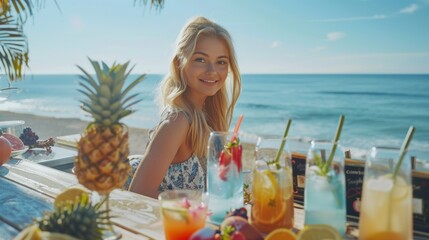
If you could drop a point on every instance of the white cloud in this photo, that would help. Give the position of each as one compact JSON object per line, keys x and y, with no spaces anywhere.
{"x":410,"y":9}
{"x":76,"y":22}
{"x":361,"y":18}
{"x":334,"y":36}
{"x":275,"y":44}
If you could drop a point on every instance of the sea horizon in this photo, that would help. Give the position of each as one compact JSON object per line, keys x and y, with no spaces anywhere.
{"x":378,"y":108}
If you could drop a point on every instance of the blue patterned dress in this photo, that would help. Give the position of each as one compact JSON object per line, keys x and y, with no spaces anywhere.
{"x":189,"y":174}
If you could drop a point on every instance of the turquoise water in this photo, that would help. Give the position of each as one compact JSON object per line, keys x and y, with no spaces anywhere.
{"x":378,"y":108}
{"x":223,"y":195}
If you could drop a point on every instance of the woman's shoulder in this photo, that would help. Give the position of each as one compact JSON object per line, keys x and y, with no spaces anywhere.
{"x":176,"y":115}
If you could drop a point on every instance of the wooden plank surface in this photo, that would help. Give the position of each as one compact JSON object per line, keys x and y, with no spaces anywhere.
{"x":136,"y":216}
{"x":20,"y":205}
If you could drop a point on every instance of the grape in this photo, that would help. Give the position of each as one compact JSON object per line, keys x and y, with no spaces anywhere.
{"x":28,"y":137}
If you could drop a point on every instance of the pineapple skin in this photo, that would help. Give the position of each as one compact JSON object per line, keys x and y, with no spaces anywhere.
{"x":102,"y":161}
{"x":102,"y":164}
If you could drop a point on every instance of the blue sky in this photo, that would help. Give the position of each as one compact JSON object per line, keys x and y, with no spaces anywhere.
{"x":276,"y":36}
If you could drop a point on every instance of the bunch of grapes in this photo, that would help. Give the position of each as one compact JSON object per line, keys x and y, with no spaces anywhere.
{"x":28,"y":137}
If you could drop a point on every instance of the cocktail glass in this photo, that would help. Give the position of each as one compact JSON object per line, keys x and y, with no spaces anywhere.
{"x":183,"y":212}
{"x":272,"y":187}
{"x":324,"y":196}
{"x":386,"y":208}
{"x":224,"y":175}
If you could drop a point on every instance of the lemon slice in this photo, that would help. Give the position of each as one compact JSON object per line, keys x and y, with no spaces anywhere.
{"x":266,"y":184}
{"x":281,"y":234}
{"x":319,"y":231}
{"x":70,"y":194}
{"x":173,"y":212}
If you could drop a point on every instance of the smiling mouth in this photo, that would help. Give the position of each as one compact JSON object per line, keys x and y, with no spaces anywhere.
{"x":208,"y":81}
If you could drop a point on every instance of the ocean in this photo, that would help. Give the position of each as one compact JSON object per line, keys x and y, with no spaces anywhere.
{"x":378,"y":109}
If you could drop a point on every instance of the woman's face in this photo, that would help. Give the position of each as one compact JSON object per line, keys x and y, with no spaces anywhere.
{"x":207,"y":69}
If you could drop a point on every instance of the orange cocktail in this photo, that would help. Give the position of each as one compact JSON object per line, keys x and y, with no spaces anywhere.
{"x":183,"y":213}
{"x":272,"y":188}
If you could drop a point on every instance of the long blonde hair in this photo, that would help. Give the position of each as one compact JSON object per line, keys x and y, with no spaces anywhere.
{"x":218,"y":109}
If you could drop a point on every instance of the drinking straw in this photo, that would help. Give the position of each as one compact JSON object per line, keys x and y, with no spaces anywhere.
{"x":404,"y":148}
{"x":237,"y":126}
{"x":282,"y":145}
{"x":334,"y":145}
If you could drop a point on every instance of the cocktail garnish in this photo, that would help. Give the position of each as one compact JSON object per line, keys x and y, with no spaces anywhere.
{"x":324,"y":165}
{"x":276,"y":161}
{"x":403,"y":150}
{"x":231,"y":151}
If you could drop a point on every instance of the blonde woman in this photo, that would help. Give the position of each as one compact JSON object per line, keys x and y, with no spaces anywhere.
{"x":198,"y":96}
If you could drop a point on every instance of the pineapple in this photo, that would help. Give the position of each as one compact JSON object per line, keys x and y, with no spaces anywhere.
{"x":101,"y":164}
{"x":79,"y":219}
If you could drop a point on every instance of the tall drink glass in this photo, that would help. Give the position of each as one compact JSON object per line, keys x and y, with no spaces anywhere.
{"x":272,"y":187}
{"x":183,"y":212}
{"x":386,"y":208}
{"x":224,"y":175}
{"x":324,"y":196}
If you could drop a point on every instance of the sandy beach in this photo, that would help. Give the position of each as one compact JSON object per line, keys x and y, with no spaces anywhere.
{"x":47,"y":127}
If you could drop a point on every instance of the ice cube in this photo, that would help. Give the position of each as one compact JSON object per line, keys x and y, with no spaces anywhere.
{"x":381,"y":184}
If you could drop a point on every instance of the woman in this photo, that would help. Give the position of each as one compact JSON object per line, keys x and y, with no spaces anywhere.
{"x":198,"y":96}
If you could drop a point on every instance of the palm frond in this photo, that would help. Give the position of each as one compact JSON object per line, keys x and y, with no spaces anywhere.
{"x":13,"y":47}
{"x":157,"y":4}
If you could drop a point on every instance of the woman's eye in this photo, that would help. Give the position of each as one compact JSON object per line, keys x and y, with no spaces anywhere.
{"x":222,"y":62}
{"x":201,"y":60}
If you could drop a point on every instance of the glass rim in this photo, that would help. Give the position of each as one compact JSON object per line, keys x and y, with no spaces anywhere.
{"x":161,"y":195}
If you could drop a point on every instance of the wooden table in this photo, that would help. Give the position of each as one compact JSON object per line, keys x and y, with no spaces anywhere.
{"x":28,"y":189}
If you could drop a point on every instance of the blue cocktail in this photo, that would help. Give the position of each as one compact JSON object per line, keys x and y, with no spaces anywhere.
{"x":324,"y":198}
{"x":224,"y":174}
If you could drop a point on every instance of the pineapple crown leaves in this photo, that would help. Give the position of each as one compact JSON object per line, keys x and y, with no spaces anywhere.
{"x":77,"y":218}
{"x":106,"y":98}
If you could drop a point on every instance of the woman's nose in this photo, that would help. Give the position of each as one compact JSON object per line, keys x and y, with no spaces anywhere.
{"x":211,"y":67}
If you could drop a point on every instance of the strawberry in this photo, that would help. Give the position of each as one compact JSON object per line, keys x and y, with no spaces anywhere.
{"x":223,"y":171}
{"x":225,"y":157}
{"x":236,"y":155}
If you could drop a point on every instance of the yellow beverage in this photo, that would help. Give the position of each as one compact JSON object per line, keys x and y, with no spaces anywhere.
{"x":272,"y":198}
{"x":386,"y":209}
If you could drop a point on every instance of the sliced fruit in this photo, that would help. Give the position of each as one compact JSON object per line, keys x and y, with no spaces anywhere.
{"x":175,"y":213}
{"x":268,"y":205}
{"x":281,"y":234}
{"x":225,"y":157}
{"x":236,"y":152}
{"x":14,"y":141}
{"x":319,"y":231}
{"x":70,"y":194}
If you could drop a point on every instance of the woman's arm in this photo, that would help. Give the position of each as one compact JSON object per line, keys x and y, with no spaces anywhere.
{"x":159,"y":155}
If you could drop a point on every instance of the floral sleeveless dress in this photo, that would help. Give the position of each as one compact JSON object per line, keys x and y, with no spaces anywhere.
{"x":189,"y":174}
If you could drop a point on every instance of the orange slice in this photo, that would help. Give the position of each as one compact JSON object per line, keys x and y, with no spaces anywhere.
{"x":281,"y":234}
